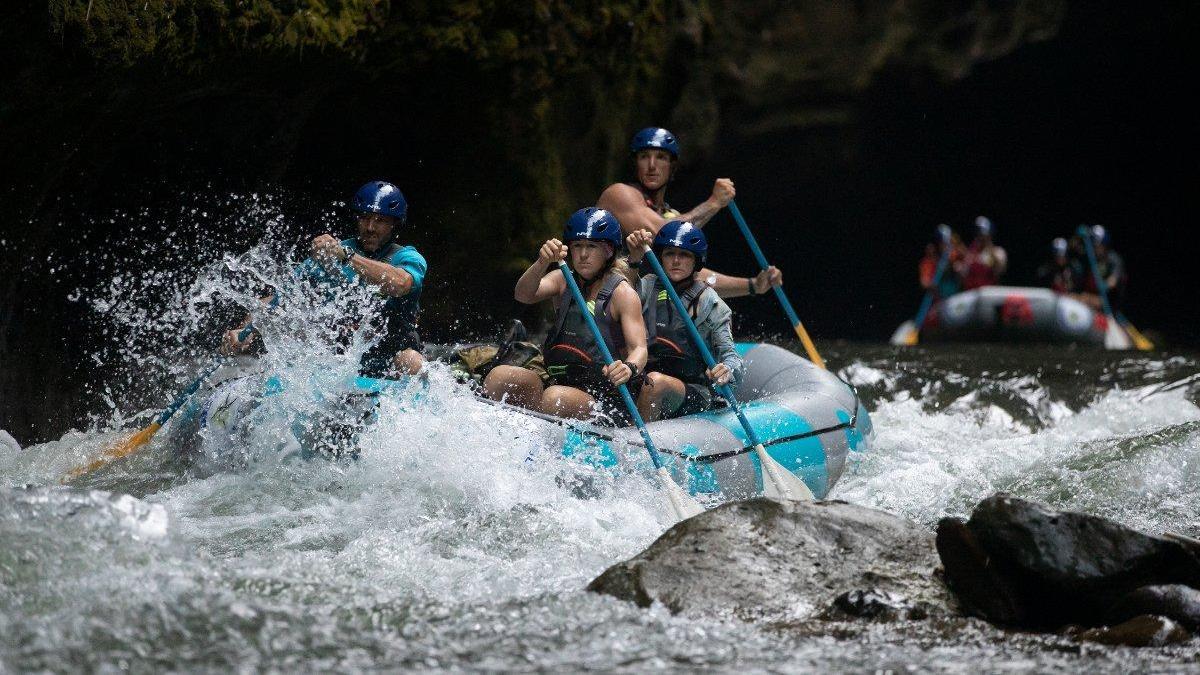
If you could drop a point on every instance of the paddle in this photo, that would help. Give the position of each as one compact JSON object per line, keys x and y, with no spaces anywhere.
{"x":1140,"y":341}
{"x":909,"y":332}
{"x":777,"y":481}
{"x":682,"y":505}
{"x":1114,"y":336}
{"x":132,"y":443}
{"x":787,"y":306}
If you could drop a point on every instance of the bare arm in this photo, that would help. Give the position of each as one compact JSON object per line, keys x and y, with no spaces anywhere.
{"x":627,"y":204}
{"x":541,"y":281}
{"x":393,"y":281}
{"x":626,"y":308}
{"x":735,"y":287}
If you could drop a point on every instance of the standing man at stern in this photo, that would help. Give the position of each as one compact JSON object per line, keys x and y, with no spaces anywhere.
{"x":642,"y":205}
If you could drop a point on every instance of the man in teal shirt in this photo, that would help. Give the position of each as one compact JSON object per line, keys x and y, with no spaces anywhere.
{"x":396,"y":272}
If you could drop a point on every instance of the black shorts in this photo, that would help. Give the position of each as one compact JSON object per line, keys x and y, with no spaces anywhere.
{"x":696,"y":398}
{"x":377,"y":360}
{"x":598,"y":387}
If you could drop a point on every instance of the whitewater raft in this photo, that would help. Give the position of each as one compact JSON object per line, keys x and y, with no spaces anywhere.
{"x":1013,"y":314}
{"x":808,"y":420}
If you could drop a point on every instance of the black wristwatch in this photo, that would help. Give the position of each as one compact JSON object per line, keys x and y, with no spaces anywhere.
{"x":633,"y":371}
{"x":750,"y":286}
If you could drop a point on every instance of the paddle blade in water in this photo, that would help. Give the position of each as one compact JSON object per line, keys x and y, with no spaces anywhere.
{"x":122,"y":449}
{"x":1140,"y":341}
{"x":905,"y":335}
{"x":683,"y":505}
{"x":1115,"y":337}
{"x":778,"y":482}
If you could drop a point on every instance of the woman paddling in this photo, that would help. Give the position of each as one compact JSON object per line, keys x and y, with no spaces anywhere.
{"x":677,"y":382}
{"x":577,"y":379}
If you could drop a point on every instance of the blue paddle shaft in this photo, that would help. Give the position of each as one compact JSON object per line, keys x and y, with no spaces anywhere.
{"x":195,"y":385}
{"x":762,"y":261}
{"x":608,"y":359}
{"x":927,"y":301}
{"x":724,"y":390}
{"x":1101,"y":284}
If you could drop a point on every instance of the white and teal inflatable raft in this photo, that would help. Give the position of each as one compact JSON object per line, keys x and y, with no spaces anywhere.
{"x":808,"y":419}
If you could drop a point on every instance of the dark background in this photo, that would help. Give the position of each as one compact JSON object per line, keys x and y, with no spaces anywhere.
{"x":1093,"y":125}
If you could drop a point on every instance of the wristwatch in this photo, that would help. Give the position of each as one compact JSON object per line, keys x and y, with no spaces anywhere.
{"x":750,"y":286}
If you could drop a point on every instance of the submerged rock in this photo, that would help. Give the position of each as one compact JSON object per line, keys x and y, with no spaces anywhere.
{"x":1021,"y":563}
{"x":1140,"y":631}
{"x":764,"y":558}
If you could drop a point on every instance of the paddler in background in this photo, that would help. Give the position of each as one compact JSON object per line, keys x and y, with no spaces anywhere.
{"x":951,"y":280}
{"x":372,"y":257}
{"x":642,"y":205}
{"x":576,"y":379}
{"x":677,"y":381}
{"x":1060,"y":274}
{"x":1112,"y":269}
{"x":985,"y":262}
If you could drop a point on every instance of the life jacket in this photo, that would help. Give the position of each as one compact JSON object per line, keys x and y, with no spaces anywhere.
{"x":570,"y":348}
{"x":978,"y":272}
{"x":671,"y":349}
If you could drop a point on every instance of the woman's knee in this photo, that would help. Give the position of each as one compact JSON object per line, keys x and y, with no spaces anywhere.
{"x":408,"y":361}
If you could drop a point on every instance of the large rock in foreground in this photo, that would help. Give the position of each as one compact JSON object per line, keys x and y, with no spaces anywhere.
{"x":782,"y":560}
{"x":1020,"y":563}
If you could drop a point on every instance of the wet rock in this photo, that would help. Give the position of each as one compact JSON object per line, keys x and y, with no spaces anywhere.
{"x":1176,"y":602}
{"x":8,"y":443}
{"x":1047,"y":568}
{"x":1141,"y":631}
{"x":764,"y":558}
{"x":976,"y":579}
{"x":875,"y":605}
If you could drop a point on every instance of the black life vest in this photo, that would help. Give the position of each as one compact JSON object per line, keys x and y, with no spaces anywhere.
{"x":570,"y":347}
{"x":671,"y":349}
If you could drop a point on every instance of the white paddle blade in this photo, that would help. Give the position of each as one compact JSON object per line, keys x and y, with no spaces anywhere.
{"x":683,"y":505}
{"x":778,"y":482}
{"x":905,"y":335}
{"x":1115,"y":337}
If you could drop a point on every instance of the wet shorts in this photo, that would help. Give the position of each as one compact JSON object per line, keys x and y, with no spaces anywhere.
{"x":607,"y":396}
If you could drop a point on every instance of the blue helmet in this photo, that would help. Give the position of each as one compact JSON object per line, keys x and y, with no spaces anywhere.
{"x":684,"y":235}
{"x":984,"y":225}
{"x":655,"y":137}
{"x":1059,"y":246}
{"x":381,"y":197}
{"x":593,"y":224}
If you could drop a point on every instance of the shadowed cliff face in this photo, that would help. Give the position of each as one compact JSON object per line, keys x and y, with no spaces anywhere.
{"x":497,"y":119}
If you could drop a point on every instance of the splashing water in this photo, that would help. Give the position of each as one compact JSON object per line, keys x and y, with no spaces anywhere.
{"x":441,"y":547}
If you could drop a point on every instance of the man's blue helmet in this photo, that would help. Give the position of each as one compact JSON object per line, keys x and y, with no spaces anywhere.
{"x":684,"y":235}
{"x":381,"y":197}
{"x":984,"y":225}
{"x":655,"y":137}
{"x":593,"y":224}
{"x":1100,"y":235}
{"x":1059,"y":246}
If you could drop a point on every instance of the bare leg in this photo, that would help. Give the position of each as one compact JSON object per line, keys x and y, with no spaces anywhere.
{"x":660,"y":395}
{"x":408,"y":362}
{"x":515,"y":385}
{"x":567,"y":402}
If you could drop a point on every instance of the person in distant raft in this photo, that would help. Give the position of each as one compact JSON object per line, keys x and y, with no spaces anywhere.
{"x":372,"y":257}
{"x":1060,"y":274}
{"x":677,"y":380}
{"x":985,"y":262}
{"x":1112,"y":270}
{"x":578,"y":379}
{"x":951,"y":280}
{"x":642,"y":205}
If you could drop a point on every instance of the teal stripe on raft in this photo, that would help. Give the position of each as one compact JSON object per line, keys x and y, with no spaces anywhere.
{"x":804,"y":457}
{"x":854,"y":435}
{"x":742,"y":347}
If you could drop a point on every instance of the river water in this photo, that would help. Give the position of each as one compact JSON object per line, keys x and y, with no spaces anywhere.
{"x":453,"y":542}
